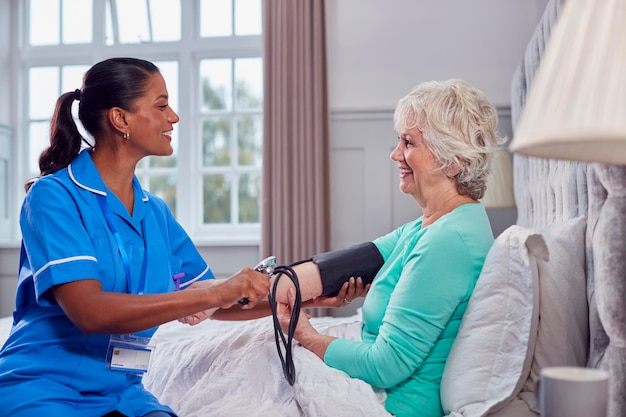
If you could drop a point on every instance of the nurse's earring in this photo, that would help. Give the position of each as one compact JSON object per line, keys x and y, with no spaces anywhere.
{"x":126,"y":136}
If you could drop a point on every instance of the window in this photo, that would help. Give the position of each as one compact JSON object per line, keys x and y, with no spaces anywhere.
{"x":5,"y":165}
{"x":209,"y":52}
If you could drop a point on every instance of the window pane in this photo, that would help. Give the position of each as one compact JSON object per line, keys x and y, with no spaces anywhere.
{"x":160,"y":161}
{"x":77,"y":21}
{"x":249,"y":83}
{"x":164,"y":186}
{"x":108,"y":26}
{"x":216,"y":141}
{"x":169,"y":70}
{"x":216,"y":18}
{"x":215,"y":79}
{"x":43,"y":91}
{"x":71,"y":79}
{"x":249,"y":140}
{"x":216,"y":193}
{"x":249,"y":190}
{"x":165,"y":19}
{"x":44,"y":22}
{"x":141,"y":21}
{"x":132,"y":20}
{"x":248,"y":17}
{"x":39,"y":139}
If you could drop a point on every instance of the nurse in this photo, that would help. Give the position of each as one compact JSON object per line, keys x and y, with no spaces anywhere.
{"x":102,"y":261}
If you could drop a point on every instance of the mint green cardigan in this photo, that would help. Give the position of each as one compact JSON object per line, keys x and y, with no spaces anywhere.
{"x":412,"y":312}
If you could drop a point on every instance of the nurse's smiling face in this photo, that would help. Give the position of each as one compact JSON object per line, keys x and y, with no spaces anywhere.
{"x":151,"y":120}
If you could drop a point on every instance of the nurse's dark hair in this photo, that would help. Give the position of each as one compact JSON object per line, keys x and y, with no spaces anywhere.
{"x":114,"y":82}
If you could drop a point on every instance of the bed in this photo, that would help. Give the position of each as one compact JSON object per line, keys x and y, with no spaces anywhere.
{"x":553,"y":286}
{"x":220,"y":368}
{"x":551,"y":293}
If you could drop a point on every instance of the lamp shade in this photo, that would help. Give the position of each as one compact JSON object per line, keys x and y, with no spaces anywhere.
{"x":576,"y":107}
{"x":499,"y":193}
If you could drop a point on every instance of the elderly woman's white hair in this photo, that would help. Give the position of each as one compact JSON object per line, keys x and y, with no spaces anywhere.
{"x":459,"y":126}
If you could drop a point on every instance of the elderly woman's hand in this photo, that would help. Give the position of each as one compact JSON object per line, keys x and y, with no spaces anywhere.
{"x":304,"y":332}
{"x":351,"y":289}
{"x":283,"y":313}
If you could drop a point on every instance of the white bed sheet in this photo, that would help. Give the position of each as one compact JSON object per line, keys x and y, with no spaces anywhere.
{"x":233,"y":369}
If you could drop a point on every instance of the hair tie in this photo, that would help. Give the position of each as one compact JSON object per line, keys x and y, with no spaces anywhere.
{"x":77,"y":94}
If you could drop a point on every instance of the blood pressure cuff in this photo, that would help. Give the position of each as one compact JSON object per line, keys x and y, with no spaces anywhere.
{"x":337,"y":266}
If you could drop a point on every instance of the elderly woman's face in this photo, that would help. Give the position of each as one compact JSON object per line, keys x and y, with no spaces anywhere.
{"x":417,"y":165}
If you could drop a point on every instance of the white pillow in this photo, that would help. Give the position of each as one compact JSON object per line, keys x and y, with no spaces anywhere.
{"x":491,"y":356}
{"x":563,"y":332}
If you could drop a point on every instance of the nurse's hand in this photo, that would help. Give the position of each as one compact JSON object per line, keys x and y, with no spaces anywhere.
{"x":247,"y":283}
{"x":199,"y":317}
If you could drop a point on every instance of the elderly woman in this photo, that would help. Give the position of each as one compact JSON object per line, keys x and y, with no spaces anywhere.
{"x":426,"y":269}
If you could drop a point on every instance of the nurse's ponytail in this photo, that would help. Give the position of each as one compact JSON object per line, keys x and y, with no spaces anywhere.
{"x":65,"y":139}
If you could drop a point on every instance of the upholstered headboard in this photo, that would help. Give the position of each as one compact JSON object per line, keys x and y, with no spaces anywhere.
{"x":551,"y":191}
{"x":553,"y":287}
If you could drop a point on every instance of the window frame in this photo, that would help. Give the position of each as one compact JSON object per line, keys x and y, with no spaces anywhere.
{"x":188,"y":52}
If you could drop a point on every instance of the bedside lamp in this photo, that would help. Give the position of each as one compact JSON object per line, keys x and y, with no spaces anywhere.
{"x":499,"y":193}
{"x":576,"y":108}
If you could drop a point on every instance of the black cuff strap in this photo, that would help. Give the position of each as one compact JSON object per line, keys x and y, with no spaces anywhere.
{"x":337,"y":266}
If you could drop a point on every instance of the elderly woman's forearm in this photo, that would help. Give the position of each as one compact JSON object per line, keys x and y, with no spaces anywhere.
{"x":309,"y":279}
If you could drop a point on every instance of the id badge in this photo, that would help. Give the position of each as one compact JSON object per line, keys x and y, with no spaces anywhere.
{"x":129,"y":353}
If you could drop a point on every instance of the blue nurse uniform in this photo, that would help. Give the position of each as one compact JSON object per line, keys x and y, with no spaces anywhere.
{"x":47,"y":365}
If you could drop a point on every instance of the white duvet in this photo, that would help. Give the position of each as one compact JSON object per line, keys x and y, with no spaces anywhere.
{"x":231,"y":369}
